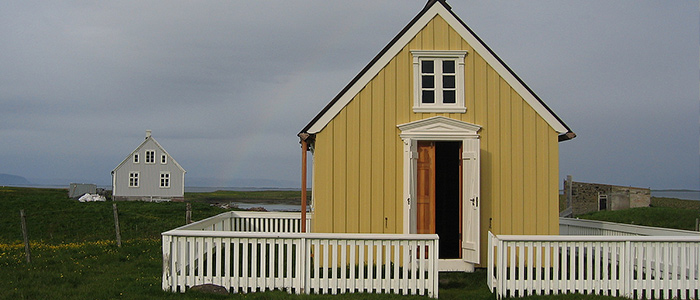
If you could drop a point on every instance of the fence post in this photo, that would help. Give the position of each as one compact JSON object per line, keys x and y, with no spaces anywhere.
{"x":116,"y":225}
{"x":25,"y":235}
{"x":627,"y":261}
{"x":167,"y":283}
{"x":188,"y":214}
{"x":304,"y":260}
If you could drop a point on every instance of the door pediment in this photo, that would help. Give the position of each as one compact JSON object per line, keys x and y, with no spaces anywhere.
{"x":438,"y":127}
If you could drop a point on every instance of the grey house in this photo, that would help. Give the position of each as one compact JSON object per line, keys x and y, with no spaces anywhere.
{"x":149,"y":173}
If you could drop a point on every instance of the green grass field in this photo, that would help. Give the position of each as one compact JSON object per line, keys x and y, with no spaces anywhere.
{"x":282,"y":197}
{"x":75,"y":256}
{"x":663,"y":212}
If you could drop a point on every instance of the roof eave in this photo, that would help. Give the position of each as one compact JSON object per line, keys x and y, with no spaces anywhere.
{"x":371,"y":63}
{"x":567,"y":136}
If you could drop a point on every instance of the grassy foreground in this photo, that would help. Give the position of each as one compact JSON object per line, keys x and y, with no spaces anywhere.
{"x":75,"y":256}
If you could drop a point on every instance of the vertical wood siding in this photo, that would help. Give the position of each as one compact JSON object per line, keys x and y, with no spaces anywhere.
{"x":358,"y":182}
{"x":149,"y":175}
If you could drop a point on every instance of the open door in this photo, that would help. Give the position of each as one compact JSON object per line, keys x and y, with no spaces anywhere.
{"x":470,"y":208}
{"x":423,"y":212}
{"x":439,"y":201}
{"x":425,"y":188}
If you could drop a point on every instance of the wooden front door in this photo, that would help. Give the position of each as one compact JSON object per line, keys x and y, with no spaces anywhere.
{"x":425,"y":188}
{"x":439,"y":201}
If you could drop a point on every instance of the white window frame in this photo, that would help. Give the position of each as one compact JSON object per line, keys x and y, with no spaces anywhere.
{"x":136,"y":158}
{"x":134,"y":179}
{"x":164,"y":180}
{"x":163,"y":159}
{"x":438,"y":105}
{"x":152,"y":157}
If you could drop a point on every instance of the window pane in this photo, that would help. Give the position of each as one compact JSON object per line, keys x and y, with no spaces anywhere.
{"x":448,"y":97}
{"x":448,"y":81}
{"x":427,"y":66}
{"x":428,"y":81}
{"x":448,"y":66}
{"x":428,"y":97}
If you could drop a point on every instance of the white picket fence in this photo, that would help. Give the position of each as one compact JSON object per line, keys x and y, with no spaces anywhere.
{"x":252,"y":221}
{"x":572,"y":226}
{"x":211,"y":251}
{"x":630,"y":266}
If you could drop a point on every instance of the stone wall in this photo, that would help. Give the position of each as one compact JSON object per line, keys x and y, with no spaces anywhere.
{"x":585,"y":197}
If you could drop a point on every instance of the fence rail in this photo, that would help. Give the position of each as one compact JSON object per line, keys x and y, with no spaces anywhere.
{"x":571,"y":226}
{"x":250,"y":221}
{"x":210,"y":251}
{"x":629,"y":266}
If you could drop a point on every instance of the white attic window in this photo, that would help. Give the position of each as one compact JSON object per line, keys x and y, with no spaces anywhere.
{"x":438,"y":78}
{"x":150,"y":156}
{"x":163,"y":159}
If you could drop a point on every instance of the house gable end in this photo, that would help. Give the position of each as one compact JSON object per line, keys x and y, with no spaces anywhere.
{"x":141,"y":146}
{"x":433,"y":9}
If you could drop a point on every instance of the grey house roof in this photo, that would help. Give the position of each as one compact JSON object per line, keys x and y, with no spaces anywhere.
{"x":149,"y":137}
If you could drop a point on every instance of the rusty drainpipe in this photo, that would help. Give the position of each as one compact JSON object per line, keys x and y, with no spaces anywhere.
{"x":304,"y":149}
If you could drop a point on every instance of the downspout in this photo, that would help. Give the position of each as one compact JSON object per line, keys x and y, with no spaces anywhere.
{"x":304,"y":148}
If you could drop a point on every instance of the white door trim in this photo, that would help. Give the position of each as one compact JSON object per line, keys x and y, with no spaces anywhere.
{"x":442,"y":129}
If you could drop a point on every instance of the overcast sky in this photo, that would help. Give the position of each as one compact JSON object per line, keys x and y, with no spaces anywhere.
{"x":226,"y":85}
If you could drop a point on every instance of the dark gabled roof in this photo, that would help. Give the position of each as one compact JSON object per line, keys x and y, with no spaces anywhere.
{"x":562,"y":137}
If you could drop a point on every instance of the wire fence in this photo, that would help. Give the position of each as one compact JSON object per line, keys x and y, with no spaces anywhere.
{"x":93,"y":222}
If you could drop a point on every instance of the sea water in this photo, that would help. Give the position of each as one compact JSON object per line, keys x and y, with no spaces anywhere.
{"x":678,"y":194}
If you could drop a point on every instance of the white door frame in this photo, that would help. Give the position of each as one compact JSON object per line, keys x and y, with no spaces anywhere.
{"x":445,"y":129}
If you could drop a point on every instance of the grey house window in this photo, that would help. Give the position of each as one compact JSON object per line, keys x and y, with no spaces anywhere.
{"x":164,"y":179}
{"x":150,"y":156}
{"x":134,"y":179}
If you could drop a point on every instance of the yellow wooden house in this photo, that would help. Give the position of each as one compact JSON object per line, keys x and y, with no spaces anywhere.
{"x":436,"y":135}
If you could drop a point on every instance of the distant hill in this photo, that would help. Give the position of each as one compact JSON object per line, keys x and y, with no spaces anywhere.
{"x":7,"y":179}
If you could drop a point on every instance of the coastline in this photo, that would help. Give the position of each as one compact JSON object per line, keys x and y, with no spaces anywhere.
{"x":684,"y":194}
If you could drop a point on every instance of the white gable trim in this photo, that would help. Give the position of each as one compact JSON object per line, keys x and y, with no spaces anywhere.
{"x":504,"y":73}
{"x":374,"y":70}
{"x":169,"y":156}
{"x":437,"y":9}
